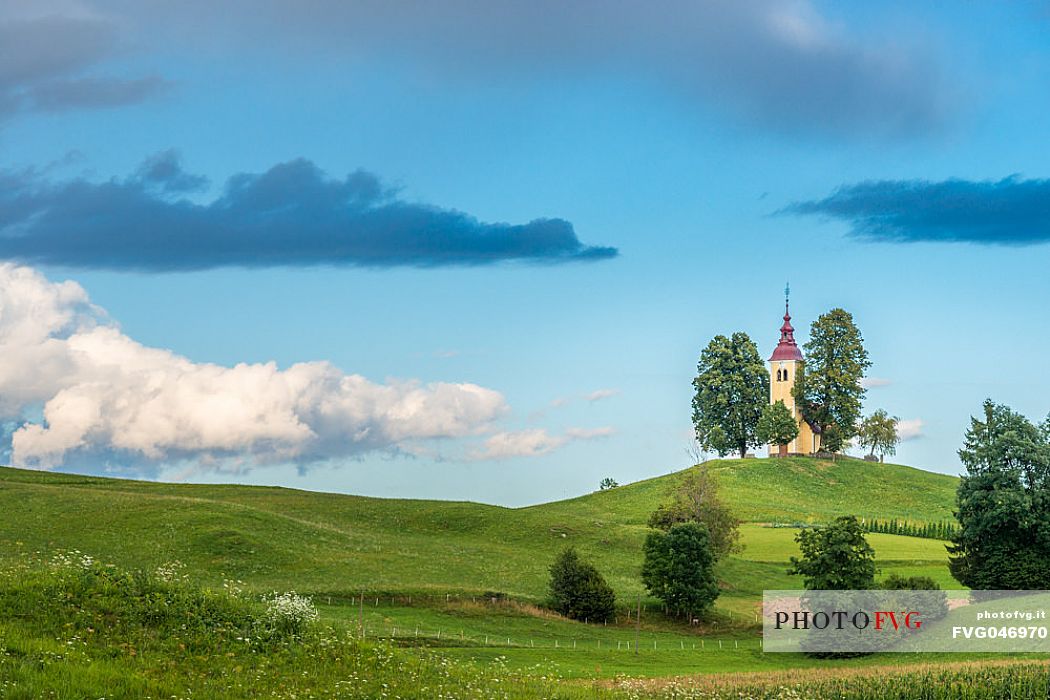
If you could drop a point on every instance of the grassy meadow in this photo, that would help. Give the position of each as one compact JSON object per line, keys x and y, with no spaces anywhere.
{"x":451,"y":588}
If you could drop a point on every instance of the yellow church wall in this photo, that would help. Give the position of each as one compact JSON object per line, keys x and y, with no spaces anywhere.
{"x":781,"y":391}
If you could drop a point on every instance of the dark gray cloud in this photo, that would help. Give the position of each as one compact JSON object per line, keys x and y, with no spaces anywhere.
{"x":45,"y":59}
{"x":93,"y":93}
{"x":164,"y":171}
{"x":291,"y":215}
{"x":782,"y":65}
{"x":1011,"y":211}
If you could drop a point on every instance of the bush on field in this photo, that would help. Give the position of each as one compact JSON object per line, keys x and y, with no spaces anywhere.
{"x":287,"y":615}
{"x":896,"y":582}
{"x":578,"y":589}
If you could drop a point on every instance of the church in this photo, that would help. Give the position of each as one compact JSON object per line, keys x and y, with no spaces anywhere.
{"x":784,"y":364}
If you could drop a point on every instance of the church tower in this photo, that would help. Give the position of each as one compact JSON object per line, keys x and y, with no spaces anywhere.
{"x":784,"y":365}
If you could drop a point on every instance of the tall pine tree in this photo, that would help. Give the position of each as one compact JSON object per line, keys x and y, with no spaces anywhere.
{"x":1003,"y":504}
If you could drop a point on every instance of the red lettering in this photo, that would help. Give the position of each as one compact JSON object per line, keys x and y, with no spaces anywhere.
{"x":881,"y":615}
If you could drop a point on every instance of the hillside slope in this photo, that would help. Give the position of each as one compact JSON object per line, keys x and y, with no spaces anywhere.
{"x":329,"y":544}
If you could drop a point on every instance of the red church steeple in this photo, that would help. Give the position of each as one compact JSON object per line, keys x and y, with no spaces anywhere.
{"x":786,"y":349}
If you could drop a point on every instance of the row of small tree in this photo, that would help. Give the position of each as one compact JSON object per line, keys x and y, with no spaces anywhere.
{"x":941,"y":530}
{"x":731,"y":408}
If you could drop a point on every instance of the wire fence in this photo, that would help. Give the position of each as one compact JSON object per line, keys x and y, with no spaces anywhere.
{"x":624,"y":614}
{"x":451,"y":638}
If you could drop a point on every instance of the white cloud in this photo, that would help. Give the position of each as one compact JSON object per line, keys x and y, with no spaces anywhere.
{"x":533,"y":442}
{"x":910,"y":429}
{"x":590,"y":397}
{"x":601,"y":394}
{"x":872,"y":382}
{"x":103,"y":392}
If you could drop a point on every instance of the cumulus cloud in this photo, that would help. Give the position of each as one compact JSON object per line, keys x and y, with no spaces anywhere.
{"x":48,"y":51}
{"x":873,"y":382}
{"x":103,"y":393}
{"x":781,"y":64}
{"x":291,"y":215}
{"x":533,"y":442}
{"x":910,"y":429}
{"x":1012,"y":211}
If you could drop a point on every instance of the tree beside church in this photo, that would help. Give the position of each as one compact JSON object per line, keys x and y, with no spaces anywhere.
{"x":821,"y":389}
{"x":730,"y":390}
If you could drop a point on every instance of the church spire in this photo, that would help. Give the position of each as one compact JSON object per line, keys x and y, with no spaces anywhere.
{"x":787,"y":349}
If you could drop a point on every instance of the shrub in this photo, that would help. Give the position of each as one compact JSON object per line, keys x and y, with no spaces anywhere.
{"x":286,"y":615}
{"x":896,"y":582}
{"x":578,"y":589}
{"x":835,"y":557}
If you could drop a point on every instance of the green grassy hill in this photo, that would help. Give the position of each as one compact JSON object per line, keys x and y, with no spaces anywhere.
{"x":424,"y":566}
{"x":328,"y":544}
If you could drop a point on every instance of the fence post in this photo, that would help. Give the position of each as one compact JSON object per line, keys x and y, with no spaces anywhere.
{"x":361,"y":616}
{"x":638,"y":624}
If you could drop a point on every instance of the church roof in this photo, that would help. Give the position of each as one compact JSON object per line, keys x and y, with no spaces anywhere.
{"x":787,"y":348}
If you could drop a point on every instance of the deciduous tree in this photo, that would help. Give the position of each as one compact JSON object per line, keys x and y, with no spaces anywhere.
{"x":835,"y":557}
{"x":696,"y":499}
{"x":679,"y":568}
{"x":827,"y":387}
{"x":777,"y":426}
{"x":731,"y":388}
{"x":878,"y":433}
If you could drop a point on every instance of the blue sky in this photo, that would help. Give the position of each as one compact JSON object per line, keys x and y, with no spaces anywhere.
{"x":617,"y":186}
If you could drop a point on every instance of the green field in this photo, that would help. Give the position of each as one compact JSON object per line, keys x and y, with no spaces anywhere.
{"x":329,"y":544}
{"x":468,"y":580}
